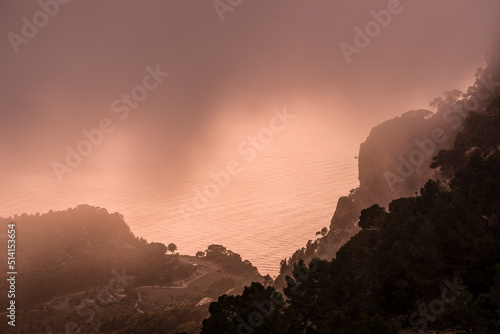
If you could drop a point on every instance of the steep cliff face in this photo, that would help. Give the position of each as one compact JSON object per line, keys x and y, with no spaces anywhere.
{"x":395,"y":161}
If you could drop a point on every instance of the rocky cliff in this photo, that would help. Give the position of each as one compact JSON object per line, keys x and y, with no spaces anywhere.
{"x":395,"y":161}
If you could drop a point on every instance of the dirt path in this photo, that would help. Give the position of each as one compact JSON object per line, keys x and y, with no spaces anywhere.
{"x":73,"y":294}
{"x":182,"y":286}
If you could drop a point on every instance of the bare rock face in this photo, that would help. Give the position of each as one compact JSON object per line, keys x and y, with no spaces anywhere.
{"x":395,"y":159}
{"x":393,"y":163}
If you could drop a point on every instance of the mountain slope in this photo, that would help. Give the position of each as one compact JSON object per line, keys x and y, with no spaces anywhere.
{"x":395,"y":161}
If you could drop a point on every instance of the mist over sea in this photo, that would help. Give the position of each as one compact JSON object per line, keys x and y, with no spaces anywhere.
{"x":272,"y":207}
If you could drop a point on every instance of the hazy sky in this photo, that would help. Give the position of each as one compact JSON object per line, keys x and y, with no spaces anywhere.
{"x":263,"y":54}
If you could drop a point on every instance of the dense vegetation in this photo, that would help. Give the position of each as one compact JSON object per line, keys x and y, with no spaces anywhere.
{"x":394,"y":160}
{"x":430,"y":261}
{"x":230,"y":261}
{"x":427,"y":262}
{"x":111,"y":281}
{"x":76,"y":249}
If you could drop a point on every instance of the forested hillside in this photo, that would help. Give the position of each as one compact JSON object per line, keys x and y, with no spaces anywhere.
{"x":395,"y":159}
{"x":67,"y":251}
{"x":428,"y":261}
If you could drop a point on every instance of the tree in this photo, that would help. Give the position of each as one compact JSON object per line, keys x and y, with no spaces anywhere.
{"x":156,"y":248}
{"x":268,"y":280}
{"x":323,"y":232}
{"x":200,"y":254}
{"x":372,"y":218}
{"x":216,"y":251}
{"x":172,"y":248}
{"x":257,"y":310}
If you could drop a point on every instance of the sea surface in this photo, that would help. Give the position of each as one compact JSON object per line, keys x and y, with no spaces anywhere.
{"x":272,"y":207}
